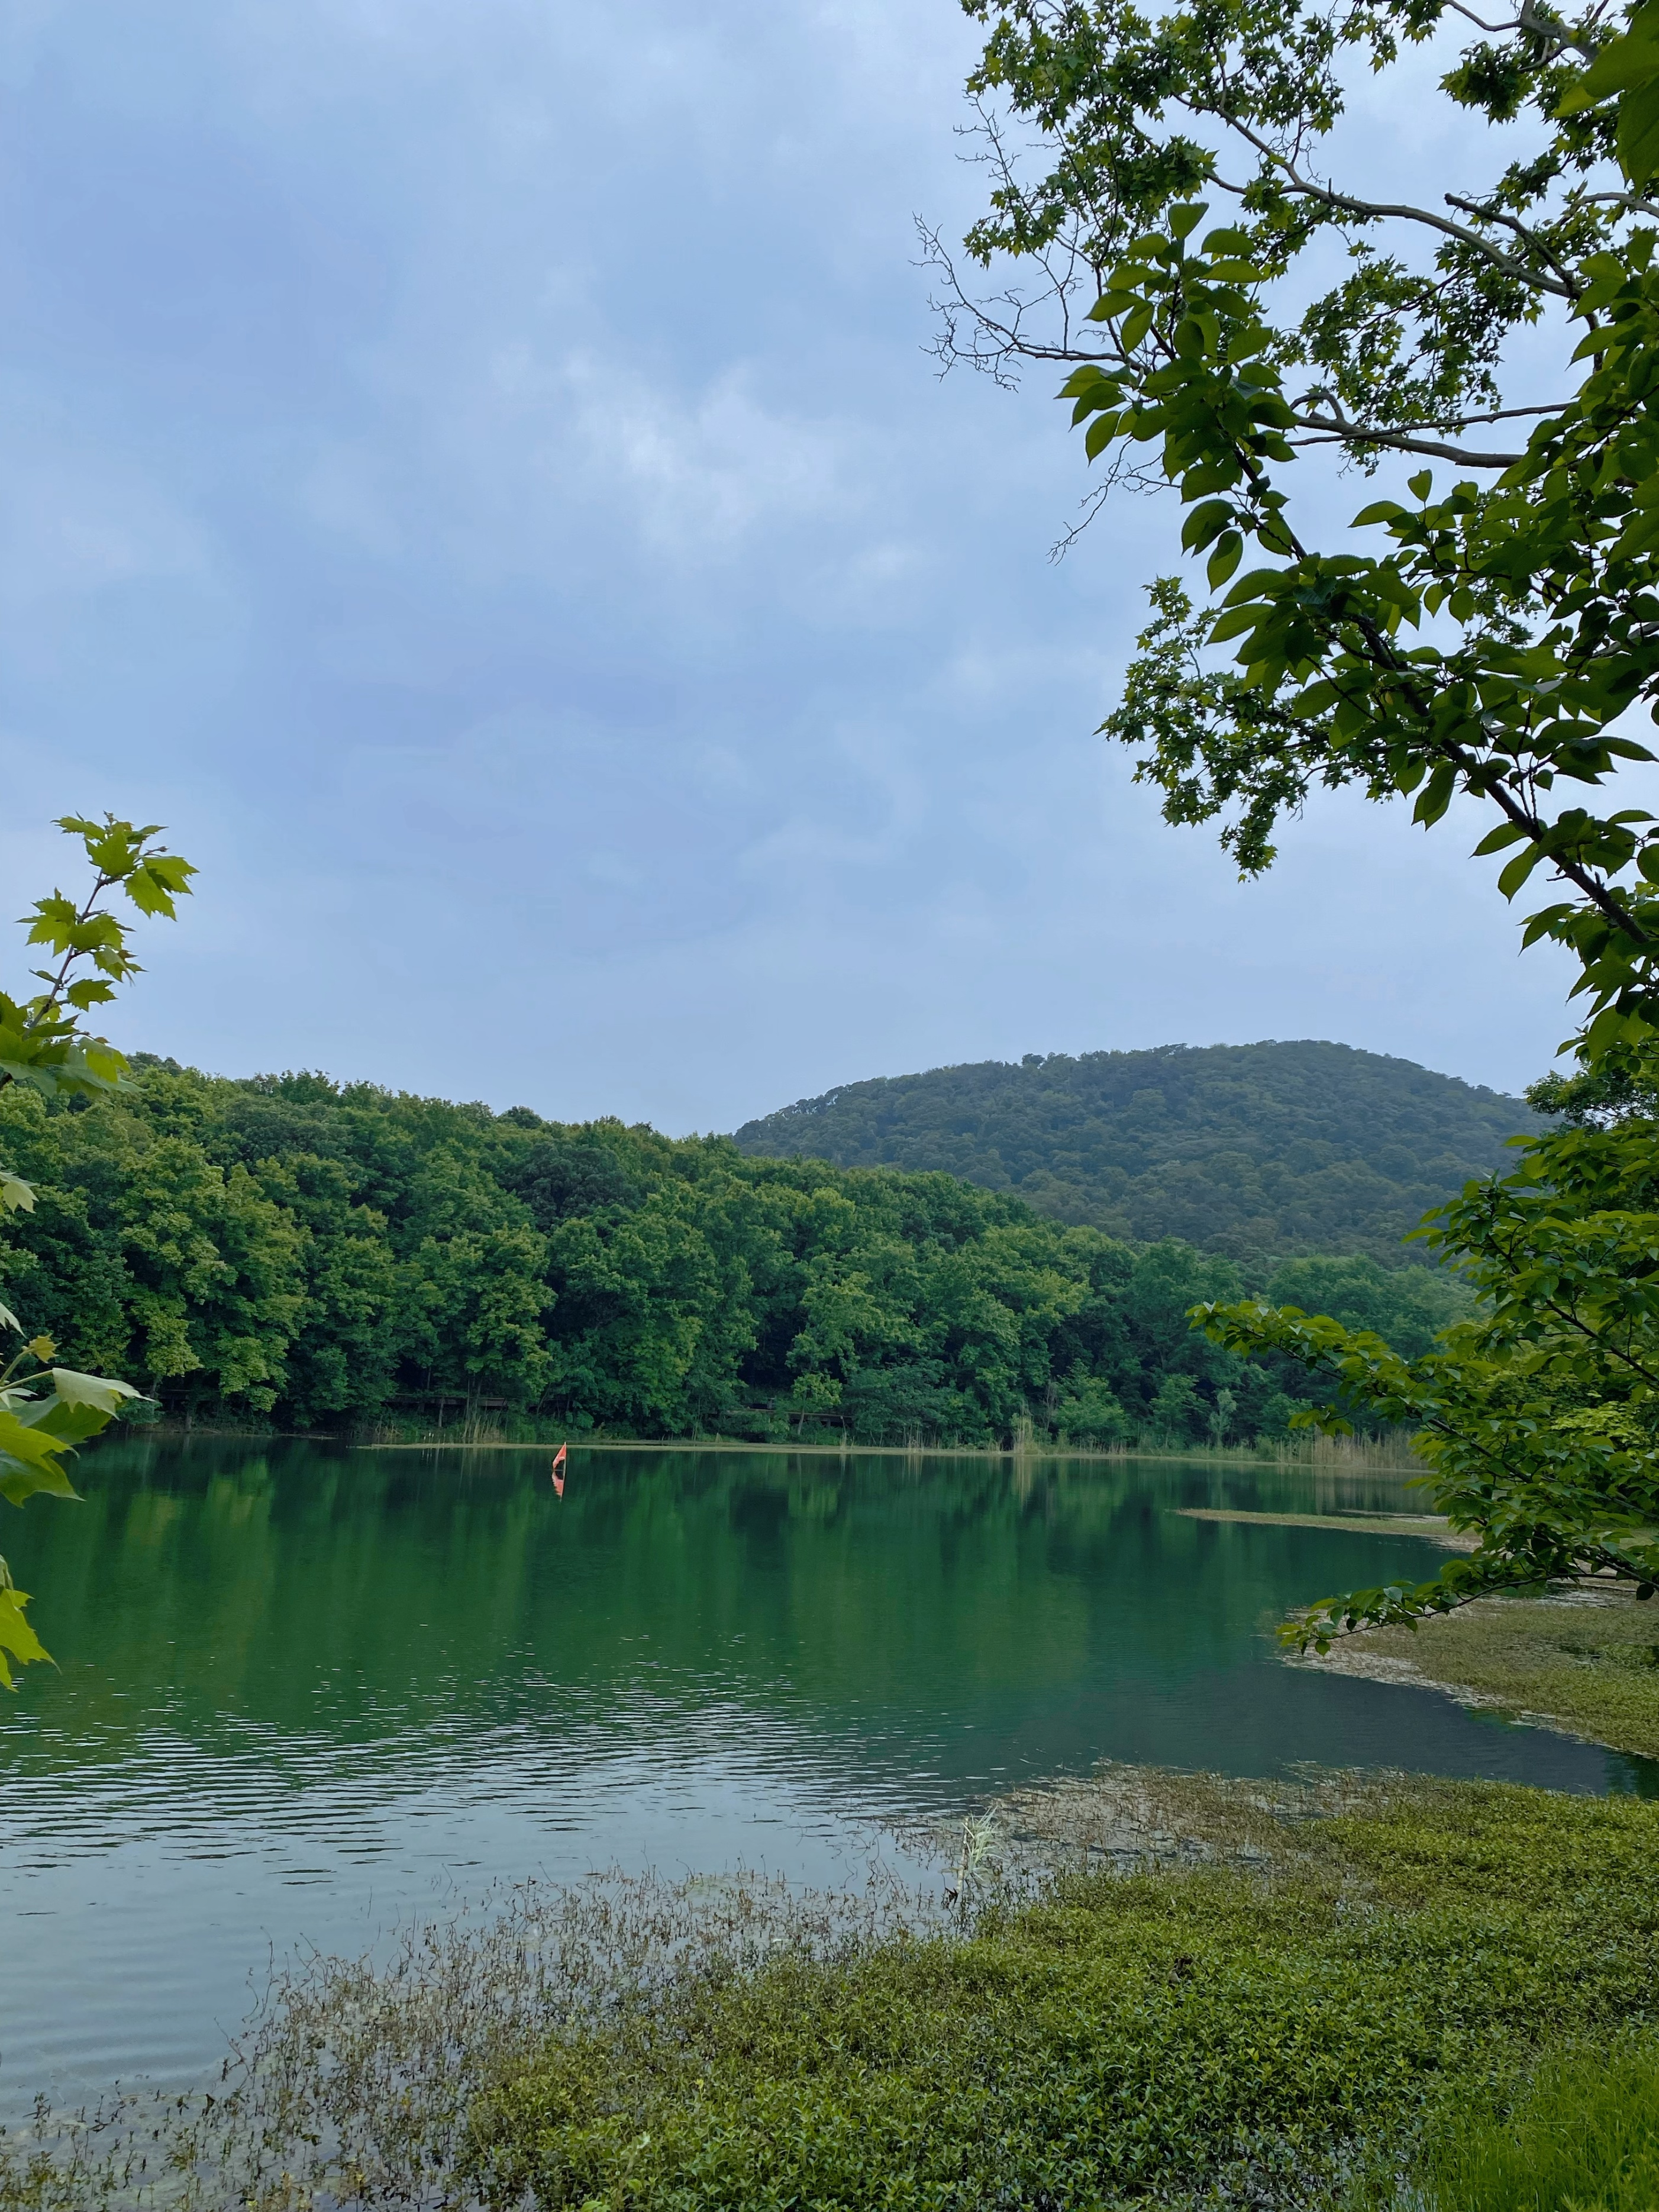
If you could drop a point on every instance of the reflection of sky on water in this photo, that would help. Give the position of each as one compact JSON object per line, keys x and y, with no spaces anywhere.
{"x":710,"y":1663}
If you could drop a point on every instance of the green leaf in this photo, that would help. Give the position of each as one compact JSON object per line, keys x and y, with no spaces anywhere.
{"x":1084,"y":382}
{"x":1101,"y":432}
{"x":1436,"y":794}
{"x":70,"y":1424}
{"x":18,"y":1483}
{"x":23,"y":1444}
{"x":1136,"y":327}
{"x":1638,"y":132}
{"x":1185,"y":218}
{"x":98,"y":1391}
{"x":1511,"y":877}
{"x":1204,"y":522}
{"x":1630,"y":59}
{"x":17,"y":1638}
{"x":1228,"y":553}
{"x":16,"y":1196}
{"x":1235,"y":621}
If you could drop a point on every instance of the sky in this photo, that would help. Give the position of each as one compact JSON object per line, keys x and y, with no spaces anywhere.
{"x":474,"y":470}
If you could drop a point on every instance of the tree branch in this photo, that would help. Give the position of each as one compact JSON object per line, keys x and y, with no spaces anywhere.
{"x":1378,"y":212}
{"x":1400,"y":441}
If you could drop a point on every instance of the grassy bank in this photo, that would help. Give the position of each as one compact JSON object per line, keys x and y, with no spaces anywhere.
{"x":1583,"y":1659}
{"x":1183,"y":1993}
{"x":1278,"y":2033}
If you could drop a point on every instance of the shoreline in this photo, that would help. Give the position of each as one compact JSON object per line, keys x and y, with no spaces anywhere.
{"x":1212,"y":1946}
{"x":1339,"y":1463}
{"x":1581,"y":1660}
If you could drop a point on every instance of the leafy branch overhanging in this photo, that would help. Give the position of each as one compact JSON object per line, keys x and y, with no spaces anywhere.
{"x":1496,"y":649}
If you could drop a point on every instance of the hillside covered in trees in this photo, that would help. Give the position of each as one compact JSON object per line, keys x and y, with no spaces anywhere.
{"x":345,"y":1259}
{"x":1253,"y":1150}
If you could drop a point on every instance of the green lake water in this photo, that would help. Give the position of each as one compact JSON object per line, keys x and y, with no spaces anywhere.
{"x":308,"y":1694}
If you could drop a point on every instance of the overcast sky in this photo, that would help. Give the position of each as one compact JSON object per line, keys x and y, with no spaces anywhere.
{"x":473,"y":469}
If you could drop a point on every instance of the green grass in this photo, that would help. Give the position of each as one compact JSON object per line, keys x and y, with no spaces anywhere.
{"x":1585,"y":2137}
{"x":1180,"y":2038}
{"x":1382,"y":1992}
{"x":1592,"y":1668}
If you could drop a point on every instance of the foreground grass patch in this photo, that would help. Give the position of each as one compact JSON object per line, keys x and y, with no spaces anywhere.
{"x":1279,"y":2006}
{"x":1202,"y":2036}
{"x":1584,"y":2133}
{"x":1586,"y":1660}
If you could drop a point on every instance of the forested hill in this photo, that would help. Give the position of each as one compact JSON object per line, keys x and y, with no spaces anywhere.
{"x":1251,"y":1150}
{"x":345,"y":1258}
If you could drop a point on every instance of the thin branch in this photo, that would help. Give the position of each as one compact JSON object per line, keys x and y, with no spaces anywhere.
{"x":1522,"y":231}
{"x":1596,"y":1336}
{"x":1532,"y":24}
{"x":1376,"y":211}
{"x":1430,"y":448}
{"x":1335,"y":429}
{"x":1493,"y":30}
{"x":1507,"y":414}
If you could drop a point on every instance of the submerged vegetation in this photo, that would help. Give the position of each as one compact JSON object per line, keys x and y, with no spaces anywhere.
{"x":313,"y":1255}
{"x":1280,"y":1994}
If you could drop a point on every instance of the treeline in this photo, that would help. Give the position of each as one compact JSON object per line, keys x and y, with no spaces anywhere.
{"x":1252,"y":1149}
{"x":344,"y":1258}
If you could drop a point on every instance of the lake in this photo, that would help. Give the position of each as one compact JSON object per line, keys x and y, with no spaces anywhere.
{"x":307,"y":1693}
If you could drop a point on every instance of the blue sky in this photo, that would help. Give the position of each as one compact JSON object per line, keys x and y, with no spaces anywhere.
{"x":475,"y":472}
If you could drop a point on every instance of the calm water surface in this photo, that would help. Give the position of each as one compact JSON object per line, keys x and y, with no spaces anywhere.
{"x":308,"y":1694}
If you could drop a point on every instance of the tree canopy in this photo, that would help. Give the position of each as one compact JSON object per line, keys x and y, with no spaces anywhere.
{"x":1257,"y":1150}
{"x":287,"y":1250}
{"x":1491,"y":642}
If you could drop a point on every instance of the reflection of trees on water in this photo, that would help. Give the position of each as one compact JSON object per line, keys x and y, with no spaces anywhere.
{"x":362,"y":1593}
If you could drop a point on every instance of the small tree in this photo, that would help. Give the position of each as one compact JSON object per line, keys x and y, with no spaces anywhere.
{"x":1493,"y":647}
{"x":46,"y":1411}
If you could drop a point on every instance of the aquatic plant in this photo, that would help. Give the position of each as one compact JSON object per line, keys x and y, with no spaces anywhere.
{"x":1264,"y":1994}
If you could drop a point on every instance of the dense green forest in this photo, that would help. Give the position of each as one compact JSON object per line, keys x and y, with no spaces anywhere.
{"x":1251,"y":1150}
{"x":288,"y":1250}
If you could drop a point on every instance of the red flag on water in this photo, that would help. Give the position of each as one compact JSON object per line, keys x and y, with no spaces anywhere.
{"x":558,"y":1469}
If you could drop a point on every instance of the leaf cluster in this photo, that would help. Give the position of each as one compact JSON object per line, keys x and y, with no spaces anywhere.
{"x":46,"y":1411}
{"x":1130,"y":116}
{"x":1539,"y":1414}
{"x":45,"y":1049}
{"x":42,"y":1042}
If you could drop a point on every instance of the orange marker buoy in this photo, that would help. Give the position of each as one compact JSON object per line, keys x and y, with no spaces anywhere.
{"x":558,"y":1470}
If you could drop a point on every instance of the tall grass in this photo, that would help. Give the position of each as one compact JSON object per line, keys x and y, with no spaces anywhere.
{"x":1585,"y":2137}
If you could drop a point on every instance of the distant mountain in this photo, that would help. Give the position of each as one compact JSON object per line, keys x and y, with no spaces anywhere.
{"x":1252,"y":1149}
